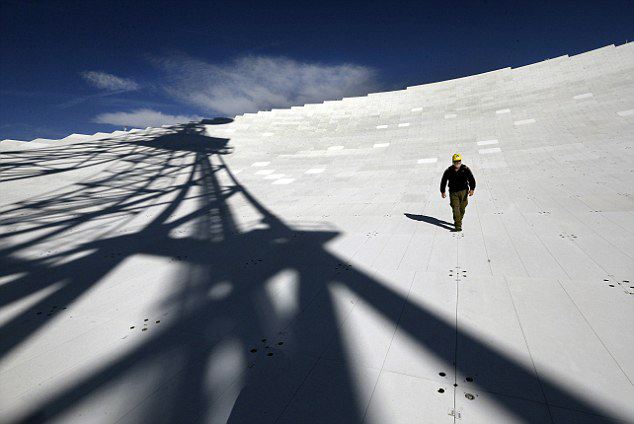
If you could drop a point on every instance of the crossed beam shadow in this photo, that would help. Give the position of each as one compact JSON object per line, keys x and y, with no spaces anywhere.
{"x":216,"y":254}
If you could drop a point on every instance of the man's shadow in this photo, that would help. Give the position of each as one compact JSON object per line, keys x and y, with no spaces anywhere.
{"x":431,"y":220}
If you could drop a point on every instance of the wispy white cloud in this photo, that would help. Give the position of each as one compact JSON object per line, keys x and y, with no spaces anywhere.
{"x":142,"y":118}
{"x":254,"y":83}
{"x":109,"y":82}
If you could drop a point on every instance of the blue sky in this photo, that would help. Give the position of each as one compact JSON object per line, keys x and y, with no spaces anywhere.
{"x":87,"y":66}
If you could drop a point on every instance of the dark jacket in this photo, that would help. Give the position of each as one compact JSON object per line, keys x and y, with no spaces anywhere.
{"x":462,"y":179}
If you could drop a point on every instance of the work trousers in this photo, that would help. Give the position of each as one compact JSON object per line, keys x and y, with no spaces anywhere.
{"x":458,"y":201}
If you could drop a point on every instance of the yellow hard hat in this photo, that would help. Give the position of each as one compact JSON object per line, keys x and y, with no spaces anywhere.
{"x":456,"y":157}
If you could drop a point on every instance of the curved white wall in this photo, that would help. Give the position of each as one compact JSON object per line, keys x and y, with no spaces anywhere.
{"x":141,"y":269}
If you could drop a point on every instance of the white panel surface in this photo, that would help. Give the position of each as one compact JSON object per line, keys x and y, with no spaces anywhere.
{"x":299,"y":265}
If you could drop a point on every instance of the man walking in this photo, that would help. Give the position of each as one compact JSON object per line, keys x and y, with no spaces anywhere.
{"x":461,"y":182}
